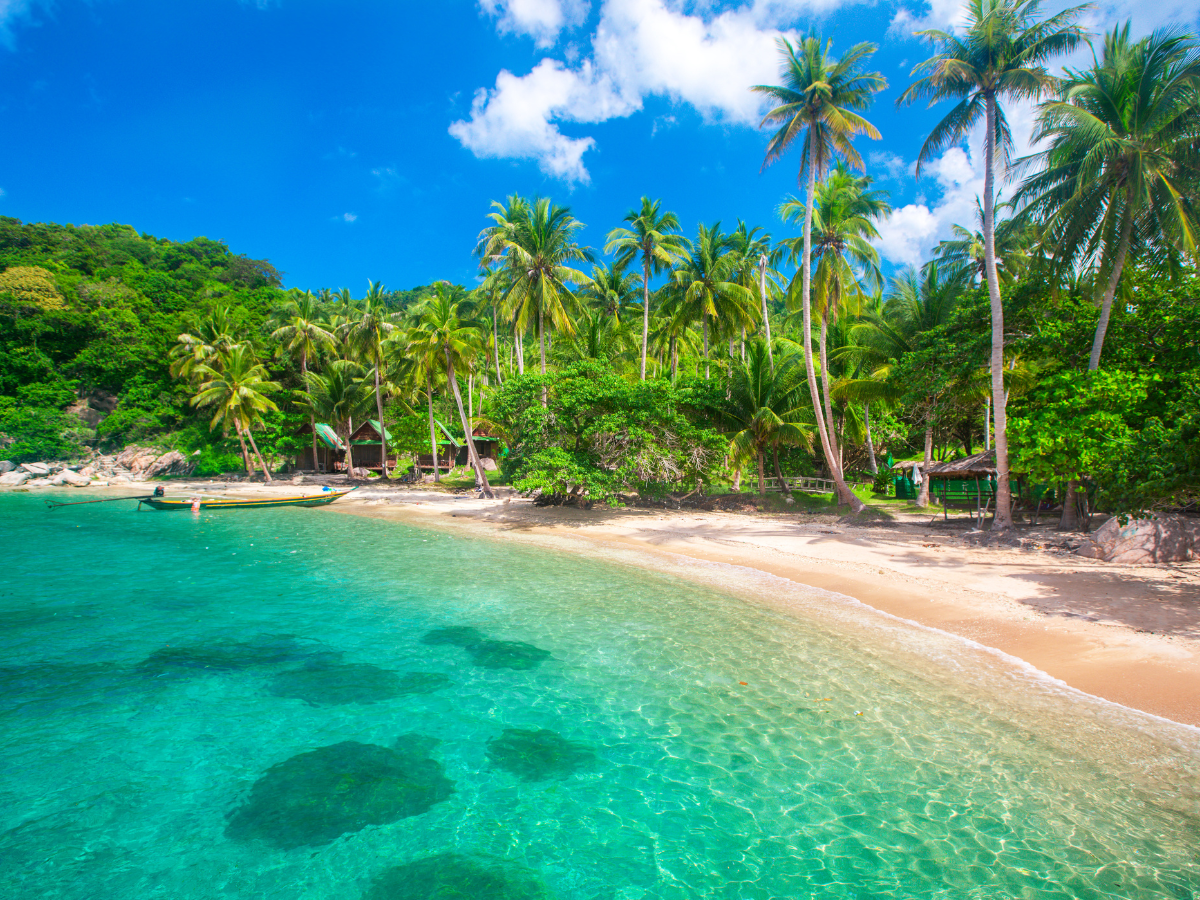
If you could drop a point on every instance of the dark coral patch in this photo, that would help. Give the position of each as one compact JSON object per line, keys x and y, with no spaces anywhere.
{"x":422,"y":682}
{"x":453,"y":876}
{"x":337,"y":685}
{"x":456,"y":636}
{"x":315,"y":797}
{"x":508,"y":655}
{"x":235,"y":656}
{"x":538,"y":754}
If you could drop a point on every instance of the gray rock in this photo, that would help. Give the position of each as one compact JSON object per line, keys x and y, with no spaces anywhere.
{"x":14,"y":479}
{"x":74,"y":479}
{"x":6,"y":466}
{"x":489,"y":464}
{"x":1144,"y":541}
{"x":35,"y":468}
{"x":358,"y":472}
{"x":173,"y":463}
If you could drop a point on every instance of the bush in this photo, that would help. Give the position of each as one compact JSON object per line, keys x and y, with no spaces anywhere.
{"x":36,"y":434}
{"x":564,"y":477}
{"x":216,"y":461}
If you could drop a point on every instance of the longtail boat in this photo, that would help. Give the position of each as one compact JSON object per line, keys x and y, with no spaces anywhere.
{"x":322,"y":499}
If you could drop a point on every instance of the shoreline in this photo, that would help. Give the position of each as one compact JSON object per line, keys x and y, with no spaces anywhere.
{"x":1123,"y":634}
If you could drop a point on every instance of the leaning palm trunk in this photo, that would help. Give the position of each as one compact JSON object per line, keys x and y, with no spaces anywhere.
{"x":1003,"y":515}
{"x":382,"y":428}
{"x":783,"y":485}
{"x":1110,"y":289}
{"x":542,"y":351}
{"x":762,"y":489}
{"x":834,"y":434}
{"x":496,"y":347}
{"x":871,"y":464}
{"x":472,"y":456}
{"x":762,"y":292}
{"x":923,"y":494}
{"x":312,"y":420}
{"x":349,"y":452}
{"x":706,"y":372}
{"x":845,"y":496}
{"x":437,"y":475}
{"x":262,"y":462}
{"x":242,"y":440}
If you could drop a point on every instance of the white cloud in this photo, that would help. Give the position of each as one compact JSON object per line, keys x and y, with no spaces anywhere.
{"x":516,"y":119}
{"x":542,"y":20}
{"x":1,"y":192}
{"x":891,"y":165}
{"x":1103,"y":15}
{"x":349,"y":217}
{"x":10,"y":11}
{"x":640,"y":48}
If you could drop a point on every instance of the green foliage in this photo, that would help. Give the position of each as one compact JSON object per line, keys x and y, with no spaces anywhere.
{"x":606,"y":434}
{"x":29,"y":433}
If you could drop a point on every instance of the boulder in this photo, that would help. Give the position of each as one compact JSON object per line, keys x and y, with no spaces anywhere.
{"x":135,"y":458}
{"x":489,"y":464}
{"x":38,"y":482}
{"x":1144,"y":541}
{"x":14,"y":479}
{"x":6,"y":466}
{"x":35,"y":468}
{"x":358,"y":472}
{"x":173,"y":463}
{"x":74,"y":479}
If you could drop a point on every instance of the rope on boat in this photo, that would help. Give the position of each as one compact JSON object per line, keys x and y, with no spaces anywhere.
{"x":55,"y":504}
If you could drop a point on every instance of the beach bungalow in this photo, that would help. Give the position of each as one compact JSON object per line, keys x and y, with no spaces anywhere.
{"x":368,"y":446}
{"x":487,"y":446}
{"x":447,"y":451}
{"x":331,"y":449}
{"x":968,"y":481}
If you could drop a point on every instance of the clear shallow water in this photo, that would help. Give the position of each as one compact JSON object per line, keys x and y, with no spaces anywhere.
{"x":304,"y":704}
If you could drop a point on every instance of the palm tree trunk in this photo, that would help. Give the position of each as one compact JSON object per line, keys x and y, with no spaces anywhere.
{"x":1070,"y":511}
{"x":312,"y":420}
{"x":349,"y":450}
{"x":871,"y":464}
{"x":1003,"y":516}
{"x":262,"y":462}
{"x":645,"y":310}
{"x":1110,"y":289}
{"x":674,"y":359}
{"x":923,"y":493}
{"x":382,"y":428}
{"x":822,"y":344}
{"x":437,"y":475}
{"x":496,"y":347}
{"x":472,"y":455}
{"x":519,"y":340}
{"x":845,"y":496}
{"x":987,"y":422}
{"x":706,"y":372}
{"x":736,"y":485}
{"x":783,"y":487}
{"x":542,"y":350}
{"x":762,"y":293}
{"x":762,"y":488}
{"x":245,"y":456}
{"x":470,"y":396}
{"x":742,"y":345}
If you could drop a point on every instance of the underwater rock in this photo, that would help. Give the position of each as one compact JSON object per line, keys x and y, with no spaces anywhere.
{"x":486,"y":653}
{"x":235,"y":656}
{"x":454,"y":876}
{"x":46,"y":686}
{"x":338,"y":684}
{"x":535,"y":755}
{"x":423,"y":682}
{"x":315,"y":797}
{"x":456,"y":636}
{"x":507,"y":655}
{"x":416,"y":744}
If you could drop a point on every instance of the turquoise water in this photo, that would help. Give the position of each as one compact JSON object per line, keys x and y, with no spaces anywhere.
{"x":306,"y":704}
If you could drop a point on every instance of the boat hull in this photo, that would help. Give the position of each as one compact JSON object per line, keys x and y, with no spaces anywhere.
{"x":165,"y":503}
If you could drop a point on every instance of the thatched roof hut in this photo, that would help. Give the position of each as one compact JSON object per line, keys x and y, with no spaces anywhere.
{"x":979,"y":465}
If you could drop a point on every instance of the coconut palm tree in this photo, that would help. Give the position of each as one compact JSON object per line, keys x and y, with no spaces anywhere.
{"x":768,"y":409}
{"x":366,"y":332}
{"x":458,"y":341}
{"x":964,"y":251}
{"x":706,"y":284}
{"x":202,"y":346}
{"x":237,"y":385}
{"x":537,"y":242}
{"x":1000,"y":54}
{"x":301,"y":334}
{"x":1117,"y":176}
{"x":843,"y":226}
{"x":338,"y":396}
{"x":613,"y":291}
{"x":420,"y":349}
{"x":754,"y":253}
{"x":653,"y":237}
{"x":817,"y":109}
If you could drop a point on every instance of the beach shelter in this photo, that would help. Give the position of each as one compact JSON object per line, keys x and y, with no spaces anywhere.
{"x":368,"y":446}
{"x":965,"y":479}
{"x":331,"y":449}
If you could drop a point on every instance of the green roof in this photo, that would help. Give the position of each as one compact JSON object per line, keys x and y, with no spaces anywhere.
{"x":329,"y":437}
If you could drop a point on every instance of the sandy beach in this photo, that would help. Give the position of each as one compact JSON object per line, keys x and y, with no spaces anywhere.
{"x":1128,"y":634}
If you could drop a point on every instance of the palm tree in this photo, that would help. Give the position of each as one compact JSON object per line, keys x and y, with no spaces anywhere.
{"x":338,"y":396}
{"x":420,"y":348}
{"x":754,"y":254}
{"x":366,"y":332}
{"x":768,"y":409}
{"x":706,"y":283}
{"x":652,"y":236}
{"x":213,"y":335}
{"x":536,"y":242}
{"x":1001,"y":54}
{"x":302,"y":335}
{"x":613,"y":290}
{"x":843,"y":226}
{"x":237,"y":385}
{"x":1121,"y":152}
{"x":964,"y":251}
{"x":458,"y":341}
{"x":819,"y":99}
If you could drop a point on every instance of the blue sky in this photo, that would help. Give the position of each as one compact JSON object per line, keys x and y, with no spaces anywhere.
{"x":357,"y":140}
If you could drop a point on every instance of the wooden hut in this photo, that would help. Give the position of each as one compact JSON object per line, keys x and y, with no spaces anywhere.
{"x":487,"y":446}
{"x":331,"y":449}
{"x":965,"y":481}
{"x":446,"y":453}
{"x":367,"y":444}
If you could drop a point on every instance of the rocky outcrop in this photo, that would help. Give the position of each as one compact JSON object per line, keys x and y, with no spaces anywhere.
{"x":1144,"y":541}
{"x":14,"y":479}
{"x":173,"y":463}
{"x":6,"y":466}
{"x":136,"y":459}
{"x":36,"y":468}
{"x":73,"y":479}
